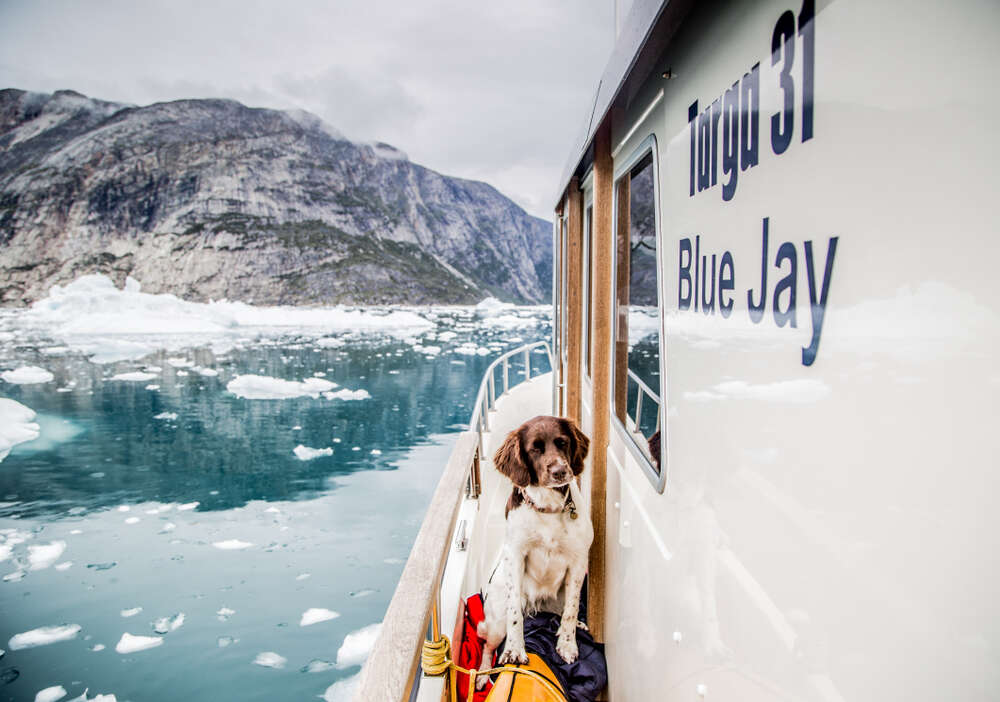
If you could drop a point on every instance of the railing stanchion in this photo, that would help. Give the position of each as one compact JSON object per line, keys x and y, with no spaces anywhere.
{"x":506,"y":377}
{"x":527,"y":364}
{"x":638,"y":407}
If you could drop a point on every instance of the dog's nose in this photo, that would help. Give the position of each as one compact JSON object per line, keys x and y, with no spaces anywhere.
{"x":559,"y":474}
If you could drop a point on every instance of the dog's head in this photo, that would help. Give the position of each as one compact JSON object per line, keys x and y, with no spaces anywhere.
{"x":544,"y":451}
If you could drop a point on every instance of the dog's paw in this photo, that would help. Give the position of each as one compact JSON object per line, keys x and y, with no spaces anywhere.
{"x":566,"y":648}
{"x":513,"y":656}
{"x":481,"y":681}
{"x":582,"y":625}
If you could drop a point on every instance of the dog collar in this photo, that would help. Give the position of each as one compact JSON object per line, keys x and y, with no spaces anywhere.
{"x":567,"y":506}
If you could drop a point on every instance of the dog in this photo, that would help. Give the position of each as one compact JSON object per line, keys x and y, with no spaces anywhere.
{"x":547,"y":539}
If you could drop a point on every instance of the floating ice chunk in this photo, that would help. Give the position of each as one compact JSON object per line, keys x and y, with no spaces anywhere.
{"x":303,"y":576}
{"x":17,"y":425}
{"x":317,"y":666}
{"x":152,"y":387}
{"x":169,"y":416}
{"x":51,"y":694}
{"x":273,"y":510}
{"x":345,"y":394}
{"x":357,"y":645}
{"x":43,"y":636}
{"x":76,"y":532}
{"x":168,"y":527}
{"x":131,"y":644}
{"x":134,"y":376}
{"x":364,"y":592}
{"x":232,"y":545}
{"x":27,"y":375}
{"x":208,"y":372}
{"x":304,"y":453}
{"x":164,"y":625}
{"x":376,"y":452}
{"x":260,"y":387}
{"x":180,"y":362}
{"x":65,"y":565}
{"x":342,"y":690}
{"x":132,"y":520}
{"x":224,"y":641}
{"x":131,"y":612}
{"x":296,"y":428}
{"x":97,"y":648}
{"x":225,"y":613}
{"x":181,"y":373}
{"x":329,"y":342}
{"x":5,"y":552}
{"x":95,"y":698}
{"x":187,"y":506}
{"x":315,"y":615}
{"x":492,"y":306}
{"x":270,"y":659}
{"x":15,"y":577}
{"x":446,"y":336}
{"x":102,"y":566}
{"x":124,"y":508}
{"x":40,"y":557}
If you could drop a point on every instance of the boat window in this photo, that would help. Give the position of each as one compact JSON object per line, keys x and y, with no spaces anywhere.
{"x":588,"y":271}
{"x":637,"y":319}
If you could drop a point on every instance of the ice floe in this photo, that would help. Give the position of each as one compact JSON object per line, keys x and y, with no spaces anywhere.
{"x":187,"y":506}
{"x":130,"y":643}
{"x":164,"y":625}
{"x":270,"y":659}
{"x":51,"y":694}
{"x":225,"y":613}
{"x":357,"y":645}
{"x":65,"y":565}
{"x":317,"y":665}
{"x":134,"y":376}
{"x":131,"y":612}
{"x":315,"y":615}
{"x":17,"y":425}
{"x":260,"y":387}
{"x":232,"y":545}
{"x":95,"y":698}
{"x":27,"y":375}
{"x":304,"y":453}
{"x":224,"y":641}
{"x":347,"y":395}
{"x":342,"y":690}
{"x":42,"y":556}
{"x":43,"y":636}
{"x":169,"y":416}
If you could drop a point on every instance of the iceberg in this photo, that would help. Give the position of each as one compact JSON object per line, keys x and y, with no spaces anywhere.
{"x":27,"y":375}
{"x":43,"y":636}
{"x":357,"y":645}
{"x":304,"y":453}
{"x":17,"y":425}
{"x":130,"y":643}
{"x":315,"y":615}
{"x":260,"y":387}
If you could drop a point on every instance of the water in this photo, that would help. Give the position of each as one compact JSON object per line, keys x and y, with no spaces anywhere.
{"x":210,"y":514}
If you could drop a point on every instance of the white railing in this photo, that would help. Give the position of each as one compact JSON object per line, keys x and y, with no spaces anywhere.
{"x":392,"y":669}
{"x":644,"y":390}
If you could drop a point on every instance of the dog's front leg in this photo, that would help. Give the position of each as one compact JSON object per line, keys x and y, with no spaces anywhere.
{"x":514,"y":568}
{"x":566,"y":636}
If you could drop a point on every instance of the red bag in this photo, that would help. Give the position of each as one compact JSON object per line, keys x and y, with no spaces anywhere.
{"x":470,"y":649}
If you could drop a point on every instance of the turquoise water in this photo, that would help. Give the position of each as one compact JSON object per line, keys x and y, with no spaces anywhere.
{"x":186,"y":499}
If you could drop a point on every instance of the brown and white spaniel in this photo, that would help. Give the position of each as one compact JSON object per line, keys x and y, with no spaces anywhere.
{"x":547,"y":539}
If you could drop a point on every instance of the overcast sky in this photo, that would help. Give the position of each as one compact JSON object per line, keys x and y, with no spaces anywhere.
{"x":484,"y":90}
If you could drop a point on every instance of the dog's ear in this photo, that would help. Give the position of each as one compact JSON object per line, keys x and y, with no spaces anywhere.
{"x":579,"y":445}
{"x":509,"y":460}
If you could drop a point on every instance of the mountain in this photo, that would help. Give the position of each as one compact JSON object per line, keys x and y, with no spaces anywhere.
{"x":213,"y":199}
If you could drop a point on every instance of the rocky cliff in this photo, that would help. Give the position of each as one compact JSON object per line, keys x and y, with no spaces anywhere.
{"x":212,"y":199}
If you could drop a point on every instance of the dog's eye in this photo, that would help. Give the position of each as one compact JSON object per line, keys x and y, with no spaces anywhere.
{"x":560,"y":443}
{"x":539,"y":445}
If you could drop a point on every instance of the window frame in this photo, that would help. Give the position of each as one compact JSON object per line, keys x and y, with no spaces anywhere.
{"x":647,"y":146}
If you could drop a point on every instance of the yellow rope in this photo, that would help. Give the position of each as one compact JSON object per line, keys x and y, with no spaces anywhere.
{"x":435,"y":659}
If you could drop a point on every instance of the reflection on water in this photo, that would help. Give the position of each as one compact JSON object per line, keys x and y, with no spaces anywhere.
{"x":97,"y":516}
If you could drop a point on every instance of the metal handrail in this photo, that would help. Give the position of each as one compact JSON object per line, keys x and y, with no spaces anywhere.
{"x":392,"y":669}
{"x":487,"y":397}
{"x":644,"y":390}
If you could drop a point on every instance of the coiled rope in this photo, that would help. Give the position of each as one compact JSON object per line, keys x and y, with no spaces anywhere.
{"x":435,"y":660}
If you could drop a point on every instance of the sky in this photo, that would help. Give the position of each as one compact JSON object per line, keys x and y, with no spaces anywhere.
{"x":484,"y":90}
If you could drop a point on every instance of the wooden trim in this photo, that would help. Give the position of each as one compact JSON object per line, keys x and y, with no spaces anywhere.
{"x":574,"y":302}
{"x":603,"y":243}
{"x":623,"y":255}
{"x":394,"y":662}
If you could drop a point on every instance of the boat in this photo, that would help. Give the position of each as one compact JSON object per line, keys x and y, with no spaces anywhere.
{"x":776,"y":316}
